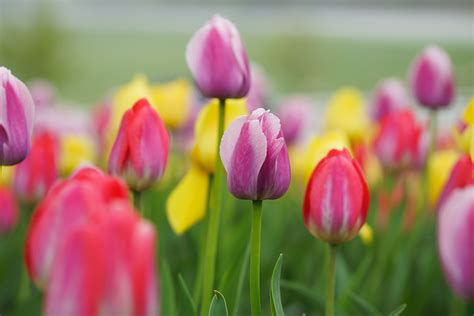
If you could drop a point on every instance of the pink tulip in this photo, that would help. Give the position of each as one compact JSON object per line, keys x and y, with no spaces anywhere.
{"x":16,"y":119}
{"x":257,"y":94}
{"x":456,"y":241}
{"x":390,"y":96}
{"x":36,"y":174}
{"x":8,"y":210}
{"x":68,"y":204}
{"x":140,"y":151}
{"x":255,"y":156}
{"x":106,"y":267}
{"x":432,"y":79}
{"x":218,"y":61}
{"x":400,"y":141}
{"x":294,"y":114}
{"x":43,"y":93}
{"x":337,"y":198}
{"x":462,"y":175}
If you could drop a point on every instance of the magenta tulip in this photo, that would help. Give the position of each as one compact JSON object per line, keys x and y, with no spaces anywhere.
{"x":16,"y":119}
{"x":295,"y":114}
{"x":255,"y":156}
{"x":8,"y":210}
{"x":140,"y":151}
{"x":456,"y":241}
{"x":218,"y":61}
{"x":432,"y":79}
{"x":390,"y":96}
{"x":337,"y":198}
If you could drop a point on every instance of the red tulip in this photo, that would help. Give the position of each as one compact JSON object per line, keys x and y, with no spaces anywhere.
{"x":67,"y":205}
{"x":337,"y":198}
{"x":140,"y":151}
{"x":8,"y":210}
{"x":36,"y":174}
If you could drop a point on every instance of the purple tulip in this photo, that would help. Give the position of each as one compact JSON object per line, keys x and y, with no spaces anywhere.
{"x":294,"y":114}
{"x":255,"y":156}
{"x":456,"y":241}
{"x":16,"y":119}
{"x":432,"y":79}
{"x":390,"y":96}
{"x":218,"y":61}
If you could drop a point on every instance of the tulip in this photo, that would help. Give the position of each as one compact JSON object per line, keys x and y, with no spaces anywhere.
{"x":462,"y":175}
{"x":432,"y":79}
{"x":346,"y":112}
{"x":337,"y":198}
{"x":173,"y":102}
{"x":42,"y":92}
{"x":390,"y":96}
{"x":8,"y":210}
{"x":68,"y":205}
{"x":16,"y":119}
{"x":255,"y":156}
{"x":399,"y":142}
{"x":335,"y":207}
{"x":218,"y":61}
{"x":456,"y":242}
{"x":106,"y":267}
{"x":140,"y":151}
{"x":469,"y":120}
{"x":258,"y":91}
{"x":439,"y":169}
{"x":6,"y":175}
{"x":295,"y":114}
{"x":186,"y":204}
{"x":76,"y":150}
{"x":36,"y":174}
{"x":371,"y":166}
{"x":101,"y":118}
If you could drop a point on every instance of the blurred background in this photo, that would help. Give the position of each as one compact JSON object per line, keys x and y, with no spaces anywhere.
{"x":87,"y":47}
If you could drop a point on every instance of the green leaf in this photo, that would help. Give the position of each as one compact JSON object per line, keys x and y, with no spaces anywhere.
{"x":187,"y":306}
{"x":240,"y":284}
{"x":399,"y":310}
{"x":275,"y":296}
{"x":364,"y":305}
{"x":168,"y":298}
{"x":218,"y":305}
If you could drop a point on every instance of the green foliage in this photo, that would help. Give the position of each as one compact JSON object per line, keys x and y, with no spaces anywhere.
{"x":275,"y":296}
{"x":218,"y":305}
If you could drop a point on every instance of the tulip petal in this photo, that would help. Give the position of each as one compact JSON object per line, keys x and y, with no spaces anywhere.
{"x":187,"y":203}
{"x":229,"y":140}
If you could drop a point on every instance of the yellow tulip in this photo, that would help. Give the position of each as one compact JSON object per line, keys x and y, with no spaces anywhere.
{"x":75,"y":151}
{"x":186,"y":205}
{"x":346,"y":111}
{"x":440,"y":164}
{"x":469,"y":112}
{"x":318,"y":148}
{"x":205,"y":130}
{"x":172,"y":101}
{"x":373,"y":170}
{"x":469,"y":119}
{"x":366,"y":234}
{"x":6,"y":175}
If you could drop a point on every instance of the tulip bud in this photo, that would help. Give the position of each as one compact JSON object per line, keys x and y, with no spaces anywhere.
{"x":432,"y":79}
{"x":456,"y":242}
{"x":67,"y":205}
{"x":390,"y":96}
{"x":337,"y":198}
{"x":399,"y":141}
{"x":255,"y":156}
{"x":462,"y":175}
{"x":36,"y":174}
{"x":294,"y":114}
{"x":16,"y":119}
{"x":217,"y":59}
{"x":140,"y":151}
{"x":8,"y":210}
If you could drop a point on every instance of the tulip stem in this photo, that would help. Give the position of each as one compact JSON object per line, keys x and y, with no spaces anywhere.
{"x":434,"y":127}
{"x":137,"y":200}
{"x":213,"y":224}
{"x":331,"y":282}
{"x":255,"y":240}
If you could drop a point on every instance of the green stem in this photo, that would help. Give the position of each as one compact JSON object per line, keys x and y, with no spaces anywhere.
{"x":137,"y":201}
{"x":214,"y":218}
{"x":434,"y":128}
{"x":331,"y":283}
{"x":255,"y":241}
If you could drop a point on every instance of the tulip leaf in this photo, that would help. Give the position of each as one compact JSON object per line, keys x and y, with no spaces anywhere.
{"x":187,"y":305}
{"x":275,"y":296}
{"x":364,"y":305}
{"x":240,"y":284}
{"x":399,"y":310}
{"x":168,"y":299}
{"x":218,"y":305}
